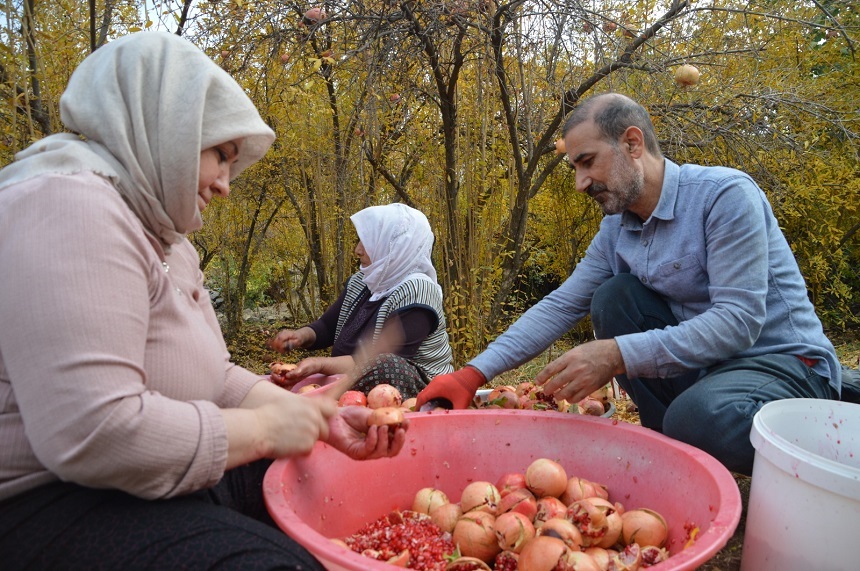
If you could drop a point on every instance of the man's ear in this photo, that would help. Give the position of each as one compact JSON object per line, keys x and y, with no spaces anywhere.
{"x":633,"y":141}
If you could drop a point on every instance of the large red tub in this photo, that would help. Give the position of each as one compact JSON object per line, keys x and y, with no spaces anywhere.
{"x":327,"y":495}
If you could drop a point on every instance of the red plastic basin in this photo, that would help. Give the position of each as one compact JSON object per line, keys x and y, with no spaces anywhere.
{"x":327,"y":495}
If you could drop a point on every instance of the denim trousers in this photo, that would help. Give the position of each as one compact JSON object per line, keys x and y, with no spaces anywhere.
{"x":713,"y":408}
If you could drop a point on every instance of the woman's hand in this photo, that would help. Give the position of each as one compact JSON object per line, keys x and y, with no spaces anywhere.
{"x":274,"y":423}
{"x":289,"y":339}
{"x":321,"y":365}
{"x":349,"y":433}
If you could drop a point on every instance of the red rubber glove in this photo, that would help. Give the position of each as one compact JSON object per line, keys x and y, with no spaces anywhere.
{"x":458,"y":388}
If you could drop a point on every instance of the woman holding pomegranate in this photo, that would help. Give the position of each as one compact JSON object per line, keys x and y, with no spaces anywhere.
{"x":130,"y":440}
{"x":699,"y":308}
{"x":395,"y":287}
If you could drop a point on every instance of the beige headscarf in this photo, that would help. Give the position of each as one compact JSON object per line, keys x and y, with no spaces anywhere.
{"x":399,"y":241}
{"x":145,"y":105}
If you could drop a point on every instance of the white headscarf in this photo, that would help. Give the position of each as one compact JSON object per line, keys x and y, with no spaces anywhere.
{"x":145,"y":106}
{"x":398,"y":239}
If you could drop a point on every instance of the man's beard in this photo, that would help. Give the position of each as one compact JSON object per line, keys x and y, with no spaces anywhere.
{"x":627,"y":185}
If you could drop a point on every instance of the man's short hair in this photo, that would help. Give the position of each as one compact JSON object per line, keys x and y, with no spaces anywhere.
{"x":613,"y":113}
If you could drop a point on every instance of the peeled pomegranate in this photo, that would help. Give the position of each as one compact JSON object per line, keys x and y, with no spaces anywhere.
{"x":628,"y":560}
{"x":513,"y":531}
{"x":467,"y":564}
{"x":480,"y":496}
{"x":601,"y":556}
{"x":545,"y":477}
{"x":384,"y":395}
{"x":308,"y":388}
{"x":591,"y":521}
{"x":475,"y":535}
{"x":613,"y":522}
{"x":428,"y":499}
{"x":645,"y":527}
{"x":652,"y":555}
{"x":506,"y":561}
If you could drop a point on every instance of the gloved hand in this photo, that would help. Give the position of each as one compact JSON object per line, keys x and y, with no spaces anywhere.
{"x":458,"y":388}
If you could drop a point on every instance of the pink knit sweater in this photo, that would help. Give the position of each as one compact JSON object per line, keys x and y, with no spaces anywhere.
{"x":112,"y":363}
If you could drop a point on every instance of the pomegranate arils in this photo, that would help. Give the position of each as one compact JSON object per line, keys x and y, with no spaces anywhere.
{"x":398,"y":531}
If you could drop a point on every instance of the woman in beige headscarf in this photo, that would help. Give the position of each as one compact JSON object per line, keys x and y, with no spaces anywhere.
{"x":129,"y":438}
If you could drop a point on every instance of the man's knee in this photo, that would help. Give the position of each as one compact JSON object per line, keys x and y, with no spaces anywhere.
{"x":720,"y":428}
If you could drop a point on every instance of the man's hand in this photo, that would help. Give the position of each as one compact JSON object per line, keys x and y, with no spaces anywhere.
{"x":349,"y":433}
{"x":582,"y":370}
{"x":458,"y":388}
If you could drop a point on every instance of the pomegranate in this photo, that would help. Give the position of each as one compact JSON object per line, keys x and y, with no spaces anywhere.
{"x":579,"y":488}
{"x":513,"y":531}
{"x":285,"y":58}
{"x":352,"y":398}
{"x":503,"y":397}
{"x":394,"y":98}
{"x":564,"y":530}
{"x":467,"y":564}
{"x":613,"y":522}
{"x":578,"y":561}
{"x":549,"y":507}
{"x":542,"y":554}
{"x":560,"y":147}
{"x":509,"y":482}
{"x":386,"y":416}
{"x":506,"y":561}
{"x":602,"y":394}
{"x":428,"y":499}
{"x":628,"y":560}
{"x":480,"y":496}
{"x":591,"y":406}
{"x":524,"y":388}
{"x":314,"y":15}
{"x":308,"y":388}
{"x":687,"y":75}
{"x":475,"y":535}
{"x":520,"y":500}
{"x":446,"y":516}
{"x":645,"y":527}
{"x":409,"y":404}
{"x":545,"y":477}
{"x":652,"y":555}
{"x":601,"y":556}
{"x":384,"y":395}
{"x":590,"y":519}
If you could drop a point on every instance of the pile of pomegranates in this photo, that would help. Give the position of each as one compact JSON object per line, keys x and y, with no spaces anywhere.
{"x":529,"y":396}
{"x":537,"y":520}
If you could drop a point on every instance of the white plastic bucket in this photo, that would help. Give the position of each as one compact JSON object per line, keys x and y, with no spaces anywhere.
{"x":804,"y":504}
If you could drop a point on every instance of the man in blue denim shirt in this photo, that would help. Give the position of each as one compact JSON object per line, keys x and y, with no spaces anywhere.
{"x":698,"y":305}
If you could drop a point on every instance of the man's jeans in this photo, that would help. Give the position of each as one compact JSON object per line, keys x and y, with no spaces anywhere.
{"x":711,"y":409}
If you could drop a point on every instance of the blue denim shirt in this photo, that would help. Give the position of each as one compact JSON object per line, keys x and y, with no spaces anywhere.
{"x":714,"y":251}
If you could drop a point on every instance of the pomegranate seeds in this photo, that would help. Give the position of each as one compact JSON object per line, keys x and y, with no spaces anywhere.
{"x":400,"y":531}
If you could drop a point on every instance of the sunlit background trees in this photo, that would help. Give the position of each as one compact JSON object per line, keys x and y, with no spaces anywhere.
{"x":454,"y":106}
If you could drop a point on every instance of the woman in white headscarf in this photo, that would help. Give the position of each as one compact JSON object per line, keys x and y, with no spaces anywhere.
{"x":395,"y":287}
{"x":129,"y":438}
